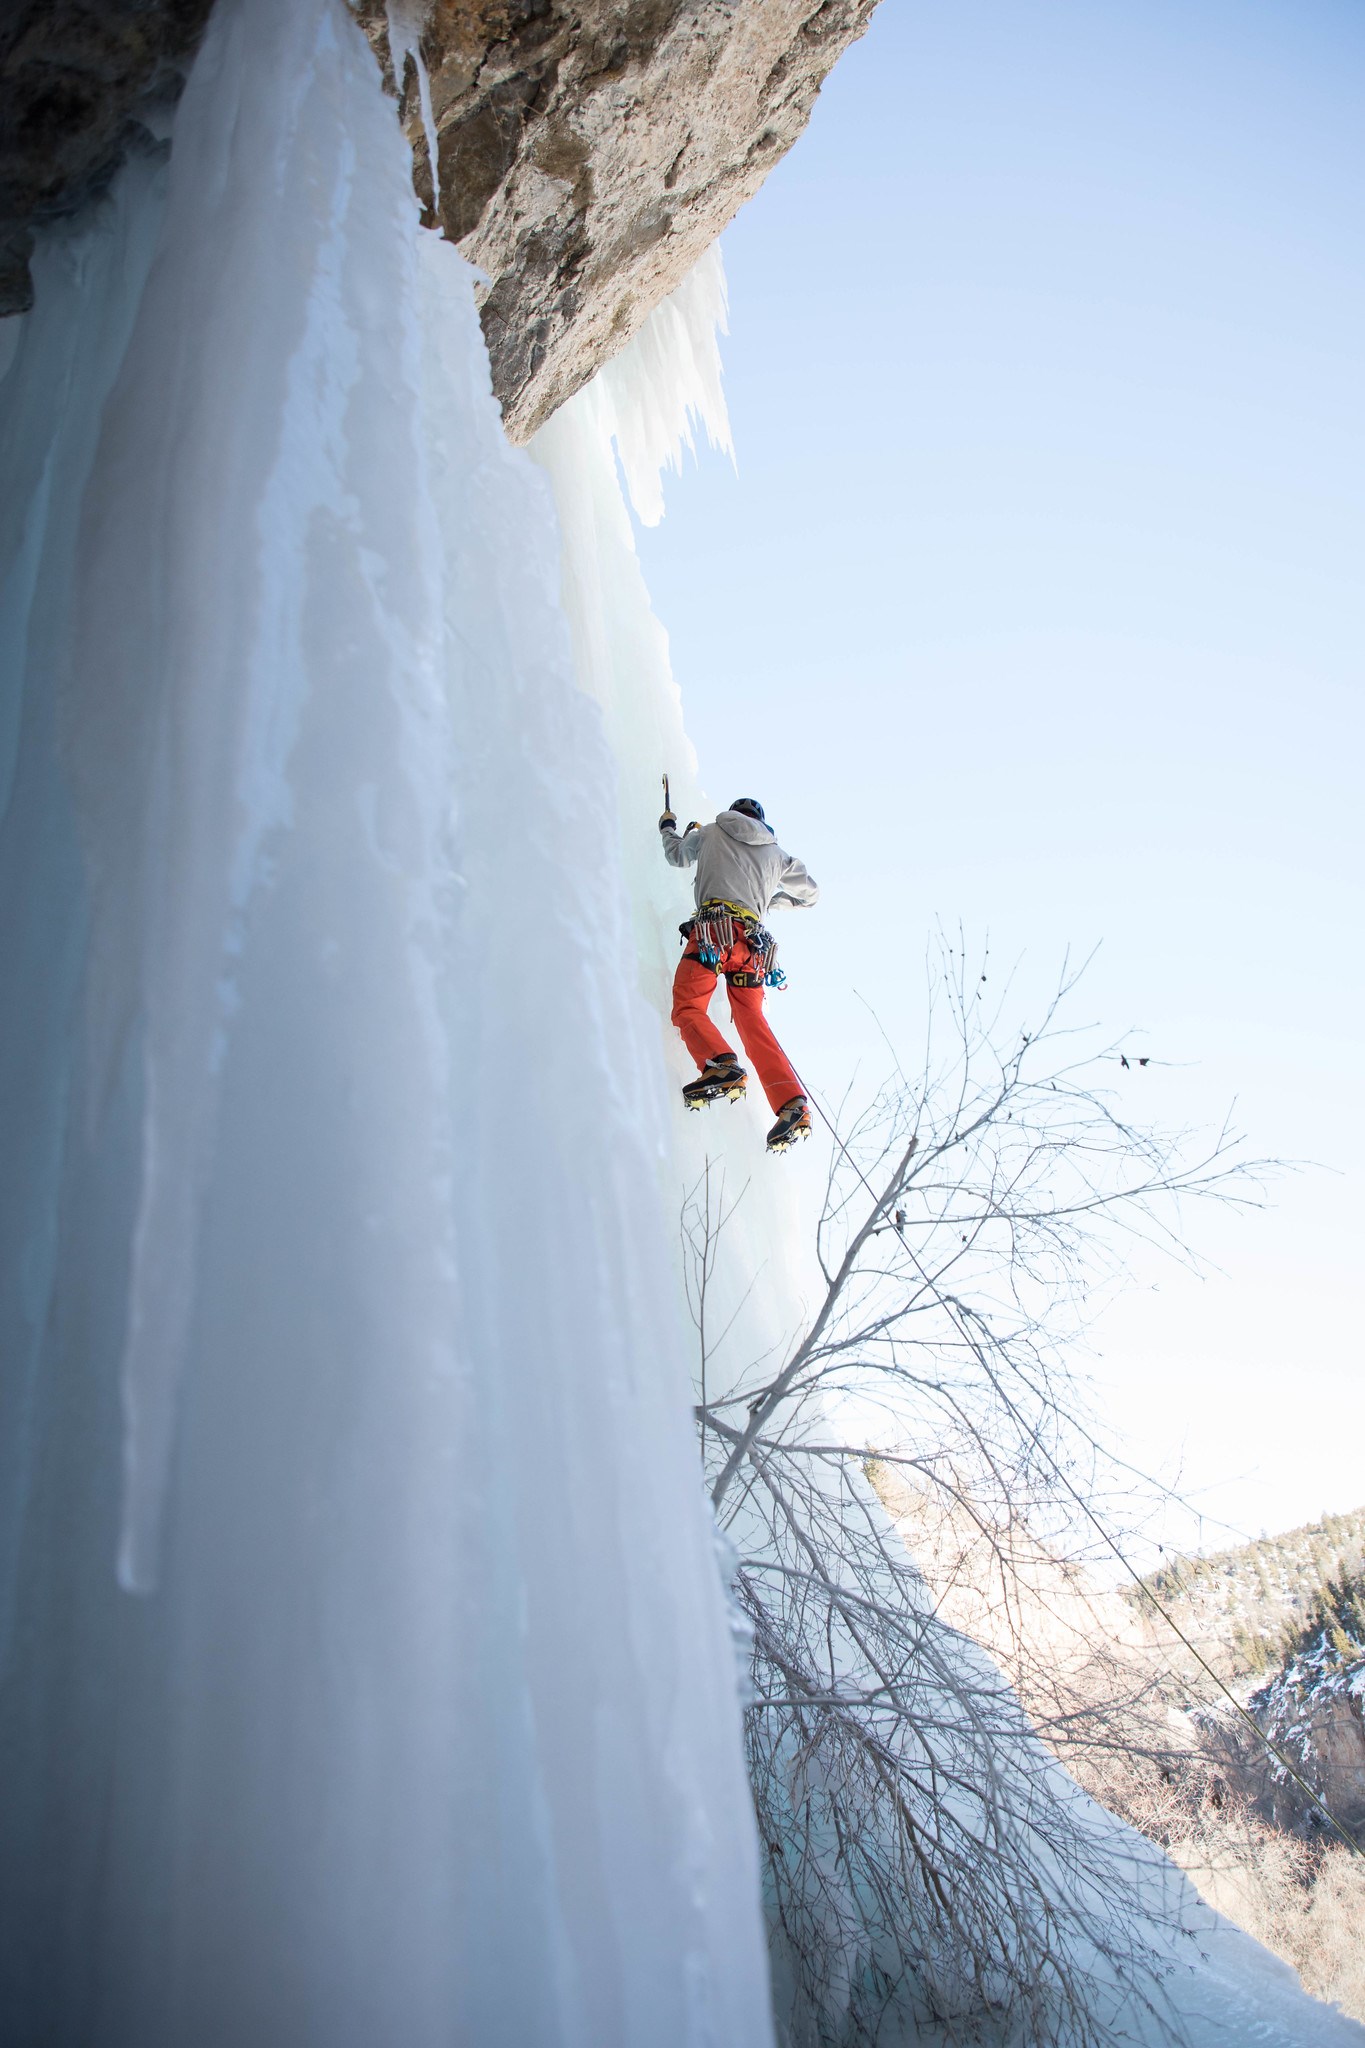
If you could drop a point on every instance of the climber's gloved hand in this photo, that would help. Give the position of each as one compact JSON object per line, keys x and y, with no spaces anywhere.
{"x":668,"y":823}
{"x":692,"y":825}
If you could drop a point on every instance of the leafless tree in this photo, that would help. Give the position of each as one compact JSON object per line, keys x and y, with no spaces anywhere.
{"x":927,"y":1861}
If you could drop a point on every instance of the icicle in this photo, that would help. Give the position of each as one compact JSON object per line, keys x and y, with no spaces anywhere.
{"x":668,"y":382}
{"x":406,"y":19}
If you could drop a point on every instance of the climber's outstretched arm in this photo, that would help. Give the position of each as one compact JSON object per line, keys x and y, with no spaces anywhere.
{"x":680,"y":848}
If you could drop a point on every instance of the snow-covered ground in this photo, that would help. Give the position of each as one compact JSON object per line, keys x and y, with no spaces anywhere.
{"x":366,"y":1672}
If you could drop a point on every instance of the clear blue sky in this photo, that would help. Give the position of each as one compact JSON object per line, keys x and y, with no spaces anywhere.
{"x":1036,"y":602}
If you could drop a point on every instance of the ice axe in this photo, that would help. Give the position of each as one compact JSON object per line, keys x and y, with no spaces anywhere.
{"x":691,"y":824}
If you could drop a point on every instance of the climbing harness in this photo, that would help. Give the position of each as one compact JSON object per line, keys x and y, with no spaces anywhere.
{"x":716,"y":928}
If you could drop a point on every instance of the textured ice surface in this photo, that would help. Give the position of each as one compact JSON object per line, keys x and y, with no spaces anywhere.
{"x":338,"y":1301}
{"x":338,"y":1306}
{"x":644,"y":408}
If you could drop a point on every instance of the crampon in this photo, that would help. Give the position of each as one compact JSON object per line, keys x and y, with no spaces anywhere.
{"x":793,"y":1122}
{"x":719,"y":1077}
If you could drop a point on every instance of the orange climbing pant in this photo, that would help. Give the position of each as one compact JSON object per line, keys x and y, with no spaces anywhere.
{"x":693,"y":988}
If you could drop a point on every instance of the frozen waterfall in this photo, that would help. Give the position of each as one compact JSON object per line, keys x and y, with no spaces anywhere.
{"x":365,"y":1675}
{"x":364,"y":1658}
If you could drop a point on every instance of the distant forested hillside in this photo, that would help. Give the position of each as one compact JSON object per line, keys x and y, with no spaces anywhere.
{"x":1249,"y":1609}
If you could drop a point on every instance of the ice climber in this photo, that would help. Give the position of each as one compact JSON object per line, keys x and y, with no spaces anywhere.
{"x":742,"y":874}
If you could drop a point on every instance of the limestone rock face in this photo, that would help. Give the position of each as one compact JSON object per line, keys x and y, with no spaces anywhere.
{"x":78,"y":84}
{"x":1321,"y":1728}
{"x":588,"y":154}
{"x":1335,"y":1743}
{"x":1314,"y":1712}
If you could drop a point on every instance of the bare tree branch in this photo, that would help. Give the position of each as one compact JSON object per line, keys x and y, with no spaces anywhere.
{"x":926,"y":1858}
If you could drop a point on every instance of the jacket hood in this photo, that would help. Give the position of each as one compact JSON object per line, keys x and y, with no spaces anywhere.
{"x":739,"y":825}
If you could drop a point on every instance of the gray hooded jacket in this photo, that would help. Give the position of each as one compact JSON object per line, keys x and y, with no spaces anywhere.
{"x":739,"y":861}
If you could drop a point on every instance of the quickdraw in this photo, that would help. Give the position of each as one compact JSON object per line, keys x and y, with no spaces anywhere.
{"x":716,"y":927}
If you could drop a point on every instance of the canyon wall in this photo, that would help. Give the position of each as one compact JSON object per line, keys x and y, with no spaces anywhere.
{"x":585,"y":156}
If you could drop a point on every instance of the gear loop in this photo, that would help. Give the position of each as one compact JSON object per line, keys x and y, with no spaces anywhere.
{"x":715,"y":929}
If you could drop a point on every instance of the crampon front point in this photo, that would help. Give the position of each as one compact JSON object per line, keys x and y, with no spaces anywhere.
{"x":719,"y":1077}
{"x":793,"y":1122}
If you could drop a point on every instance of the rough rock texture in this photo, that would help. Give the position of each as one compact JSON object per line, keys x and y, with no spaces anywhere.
{"x":79,"y":84}
{"x":588,"y":154}
{"x":1314,"y":1711}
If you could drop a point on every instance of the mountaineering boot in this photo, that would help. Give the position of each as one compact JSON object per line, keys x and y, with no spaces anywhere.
{"x":722,"y":1075}
{"x":793,"y":1122}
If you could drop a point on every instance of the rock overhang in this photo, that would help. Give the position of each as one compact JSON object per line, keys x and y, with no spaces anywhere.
{"x":586,"y":155}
